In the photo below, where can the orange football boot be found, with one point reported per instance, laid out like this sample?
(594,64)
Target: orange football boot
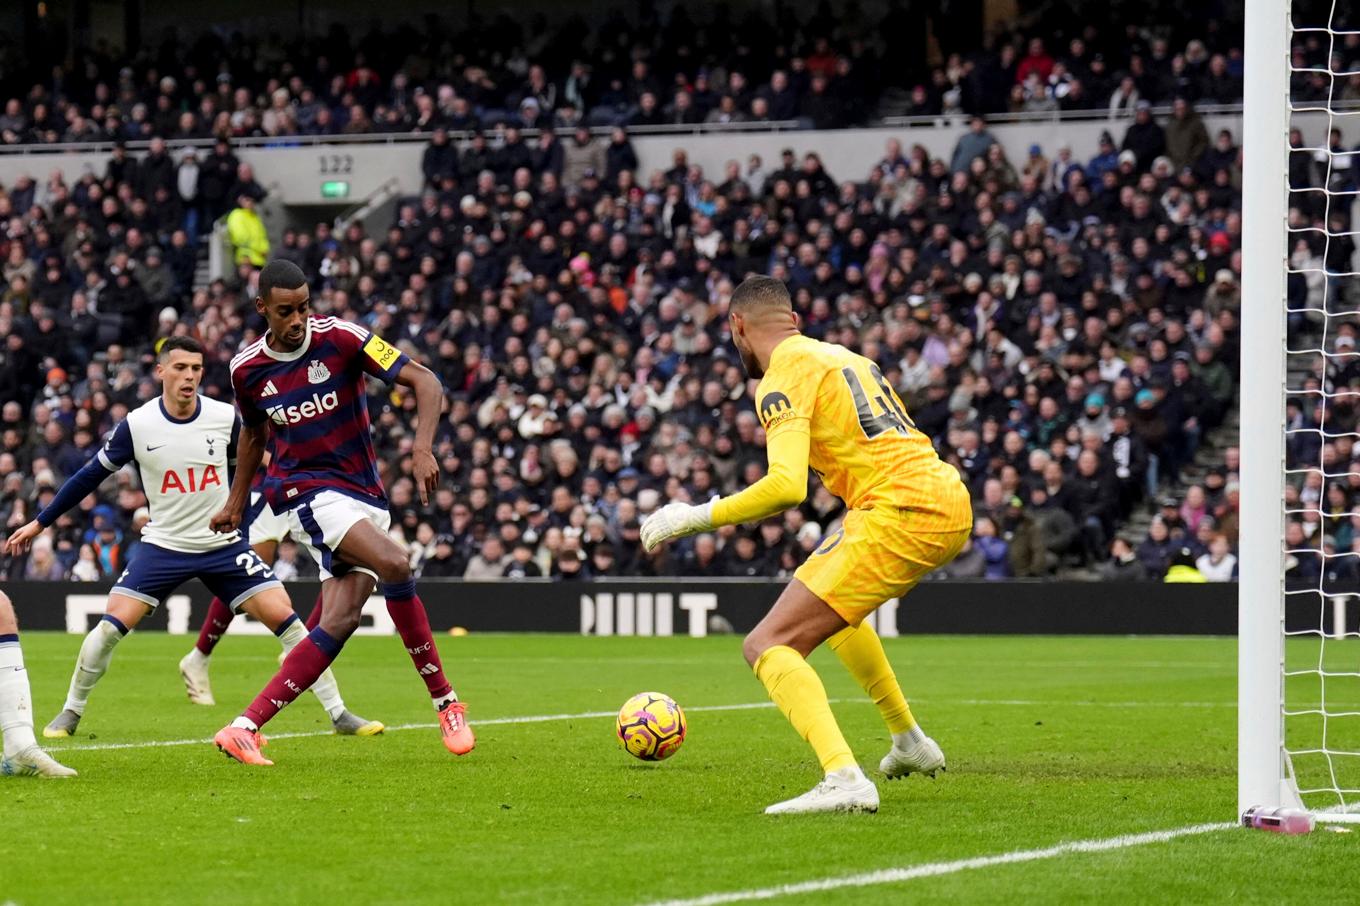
(242,745)
(453,725)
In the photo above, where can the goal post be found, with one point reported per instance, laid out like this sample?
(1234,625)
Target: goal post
(1261,776)
(1299,542)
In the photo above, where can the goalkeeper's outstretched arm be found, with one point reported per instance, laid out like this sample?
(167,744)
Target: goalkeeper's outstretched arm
(783,487)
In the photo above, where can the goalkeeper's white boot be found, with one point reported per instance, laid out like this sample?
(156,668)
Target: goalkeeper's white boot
(33,762)
(923,757)
(846,790)
(193,669)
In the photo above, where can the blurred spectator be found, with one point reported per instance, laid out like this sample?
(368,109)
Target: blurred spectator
(216,177)
(1094,498)
(1303,558)
(521,565)
(1157,549)
(971,145)
(488,563)
(1106,159)
(1182,568)
(1035,63)
(290,563)
(582,154)
(1029,558)
(1124,564)
(1129,456)
(42,562)
(971,563)
(85,569)
(1219,564)
(603,562)
(1126,97)
(187,177)
(1194,509)
(745,558)
(992,547)
(569,565)
(440,160)
(1187,139)
(702,561)
(445,563)
(1144,138)
(1036,166)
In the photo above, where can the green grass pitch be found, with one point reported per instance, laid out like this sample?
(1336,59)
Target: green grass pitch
(1049,740)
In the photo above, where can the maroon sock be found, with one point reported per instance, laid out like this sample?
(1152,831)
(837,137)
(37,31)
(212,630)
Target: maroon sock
(308,660)
(214,625)
(314,618)
(408,613)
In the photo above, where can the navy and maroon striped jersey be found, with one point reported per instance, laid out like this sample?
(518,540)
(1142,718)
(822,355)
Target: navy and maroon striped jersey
(316,402)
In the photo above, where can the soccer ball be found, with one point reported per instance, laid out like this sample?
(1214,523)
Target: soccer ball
(651,726)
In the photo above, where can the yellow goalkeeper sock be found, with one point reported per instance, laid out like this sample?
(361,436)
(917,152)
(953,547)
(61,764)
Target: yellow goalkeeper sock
(861,651)
(798,691)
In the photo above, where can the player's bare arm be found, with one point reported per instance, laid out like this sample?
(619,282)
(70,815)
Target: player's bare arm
(20,540)
(429,402)
(249,454)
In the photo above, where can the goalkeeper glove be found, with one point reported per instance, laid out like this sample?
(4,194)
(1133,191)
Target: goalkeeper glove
(676,520)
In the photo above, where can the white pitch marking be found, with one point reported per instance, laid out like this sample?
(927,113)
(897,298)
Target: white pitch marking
(1031,703)
(491,721)
(588,715)
(935,869)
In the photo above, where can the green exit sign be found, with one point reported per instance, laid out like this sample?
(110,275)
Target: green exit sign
(335,188)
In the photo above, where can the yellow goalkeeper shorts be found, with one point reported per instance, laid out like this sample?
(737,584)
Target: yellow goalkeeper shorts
(874,556)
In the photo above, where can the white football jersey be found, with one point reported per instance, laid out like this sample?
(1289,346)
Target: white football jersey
(185,468)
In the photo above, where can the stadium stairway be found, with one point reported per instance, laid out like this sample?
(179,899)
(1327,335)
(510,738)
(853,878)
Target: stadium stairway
(202,270)
(1210,455)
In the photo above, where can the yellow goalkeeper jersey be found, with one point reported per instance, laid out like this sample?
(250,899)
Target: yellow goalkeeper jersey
(862,443)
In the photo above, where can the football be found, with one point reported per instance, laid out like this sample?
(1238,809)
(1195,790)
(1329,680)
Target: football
(651,726)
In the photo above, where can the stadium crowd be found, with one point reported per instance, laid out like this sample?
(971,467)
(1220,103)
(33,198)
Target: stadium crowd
(813,66)
(1065,328)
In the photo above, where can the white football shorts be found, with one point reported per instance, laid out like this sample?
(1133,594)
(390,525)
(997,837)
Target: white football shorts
(266,525)
(320,525)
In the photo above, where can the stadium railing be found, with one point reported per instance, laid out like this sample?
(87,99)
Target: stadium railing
(311,172)
(951,120)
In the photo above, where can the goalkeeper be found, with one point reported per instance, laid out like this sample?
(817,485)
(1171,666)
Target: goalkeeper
(909,513)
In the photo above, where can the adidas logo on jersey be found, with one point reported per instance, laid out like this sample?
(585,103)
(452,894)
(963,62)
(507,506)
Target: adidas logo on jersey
(269,389)
(291,415)
(317,372)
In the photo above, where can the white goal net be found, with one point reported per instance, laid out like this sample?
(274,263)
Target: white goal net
(1300,646)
